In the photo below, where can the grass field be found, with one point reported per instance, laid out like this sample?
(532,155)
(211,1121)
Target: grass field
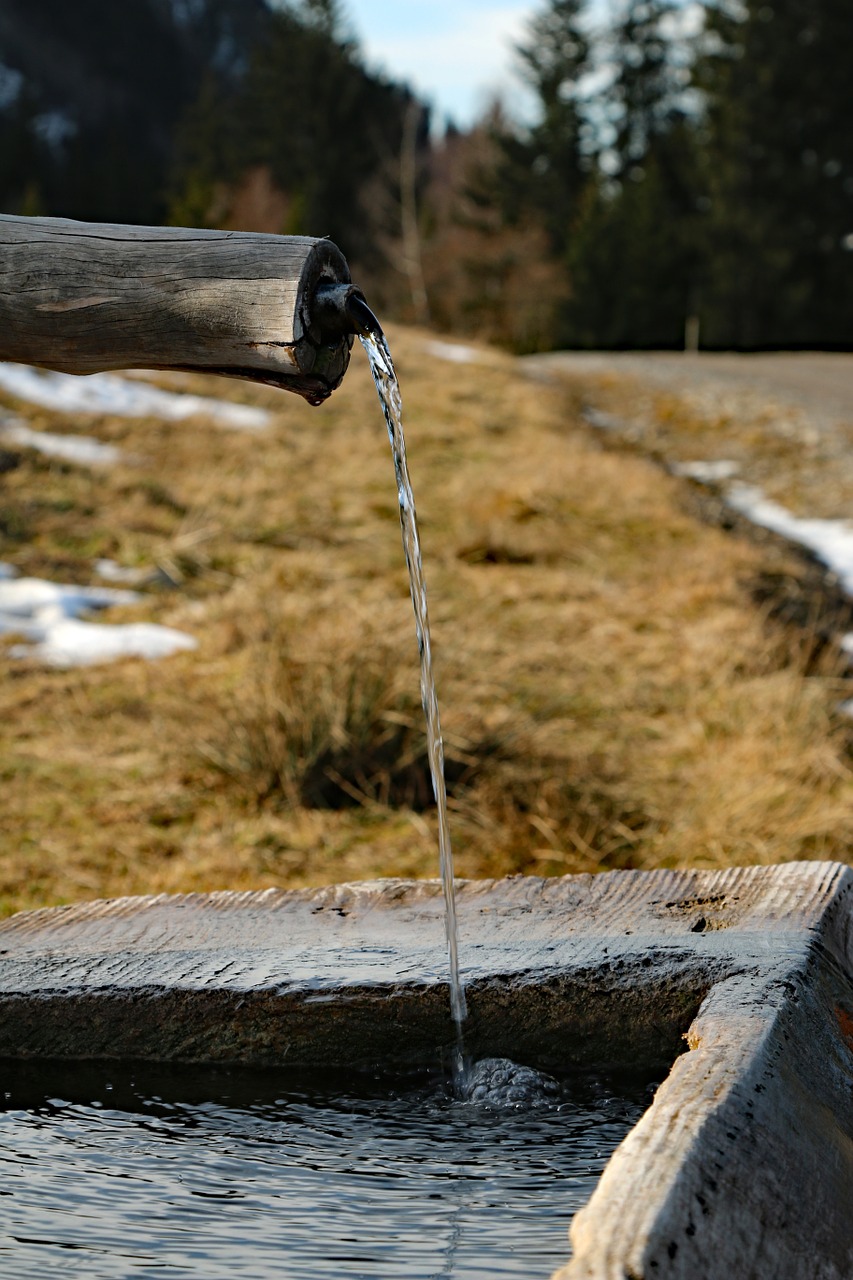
(616,688)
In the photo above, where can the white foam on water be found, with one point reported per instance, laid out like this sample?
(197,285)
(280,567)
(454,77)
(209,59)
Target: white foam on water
(85,450)
(48,616)
(107,393)
(501,1084)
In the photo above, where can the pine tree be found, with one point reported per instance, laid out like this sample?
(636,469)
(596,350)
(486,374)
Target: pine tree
(545,168)
(777,81)
(321,122)
(644,94)
(634,256)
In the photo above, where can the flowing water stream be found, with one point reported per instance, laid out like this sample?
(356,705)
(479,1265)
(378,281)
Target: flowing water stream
(382,368)
(494,1081)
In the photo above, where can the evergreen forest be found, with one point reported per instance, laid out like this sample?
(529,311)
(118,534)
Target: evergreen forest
(683,171)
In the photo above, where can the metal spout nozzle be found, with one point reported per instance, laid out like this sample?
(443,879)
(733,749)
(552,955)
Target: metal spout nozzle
(340,309)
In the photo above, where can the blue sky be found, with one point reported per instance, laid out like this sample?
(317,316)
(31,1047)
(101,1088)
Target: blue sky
(456,53)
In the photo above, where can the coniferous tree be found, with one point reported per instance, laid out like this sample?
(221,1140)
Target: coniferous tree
(634,257)
(545,168)
(309,117)
(777,84)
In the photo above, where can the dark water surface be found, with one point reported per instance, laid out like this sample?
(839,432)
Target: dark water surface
(110,1173)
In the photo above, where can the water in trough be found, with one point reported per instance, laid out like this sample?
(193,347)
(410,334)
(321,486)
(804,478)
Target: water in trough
(109,1172)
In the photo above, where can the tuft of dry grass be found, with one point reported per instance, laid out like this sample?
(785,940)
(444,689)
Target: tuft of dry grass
(615,691)
(327,732)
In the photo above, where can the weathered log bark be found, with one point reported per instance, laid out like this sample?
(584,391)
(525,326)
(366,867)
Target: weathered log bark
(83,297)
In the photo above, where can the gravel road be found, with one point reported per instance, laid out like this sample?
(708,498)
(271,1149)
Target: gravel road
(785,419)
(818,382)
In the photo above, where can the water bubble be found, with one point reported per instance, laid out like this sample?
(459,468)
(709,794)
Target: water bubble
(502,1084)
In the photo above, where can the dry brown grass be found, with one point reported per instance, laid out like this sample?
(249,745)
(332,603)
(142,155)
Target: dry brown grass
(800,458)
(611,694)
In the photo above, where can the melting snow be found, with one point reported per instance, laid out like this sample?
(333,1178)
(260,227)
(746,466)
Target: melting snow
(110,571)
(47,614)
(830,540)
(83,449)
(453,351)
(108,393)
(707,472)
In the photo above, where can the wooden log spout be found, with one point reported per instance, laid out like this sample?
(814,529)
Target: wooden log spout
(85,297)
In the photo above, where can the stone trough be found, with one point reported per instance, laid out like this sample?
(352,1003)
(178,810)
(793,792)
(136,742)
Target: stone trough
(737,983)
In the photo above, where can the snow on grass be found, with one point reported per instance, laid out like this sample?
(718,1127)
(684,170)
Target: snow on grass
(111,571)
(108,393)
(71,642)
(830,540)
(714,472)
(455,352)
(25,598)
(85,450)
(47,615)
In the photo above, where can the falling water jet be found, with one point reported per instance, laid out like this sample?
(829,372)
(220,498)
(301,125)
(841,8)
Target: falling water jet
(495,1082)
(382,368)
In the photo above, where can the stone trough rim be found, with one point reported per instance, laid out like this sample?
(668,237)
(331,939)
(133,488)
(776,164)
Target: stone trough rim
(696,1188)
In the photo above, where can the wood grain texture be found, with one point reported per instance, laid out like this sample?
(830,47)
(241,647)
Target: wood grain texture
(741,1169)
(84,297)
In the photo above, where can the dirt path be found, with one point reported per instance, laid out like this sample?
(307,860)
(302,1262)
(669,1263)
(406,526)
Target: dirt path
(818,382)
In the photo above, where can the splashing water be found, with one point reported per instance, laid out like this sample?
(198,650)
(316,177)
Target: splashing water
(382,368)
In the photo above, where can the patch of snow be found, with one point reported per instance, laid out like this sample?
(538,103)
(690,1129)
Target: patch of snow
(86,450)
(709,472)
(846,708)
(830,540)
(110,571)
(73,643)
(23,598)
(47,614)
(108,393)
(455,352)
(602,421)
